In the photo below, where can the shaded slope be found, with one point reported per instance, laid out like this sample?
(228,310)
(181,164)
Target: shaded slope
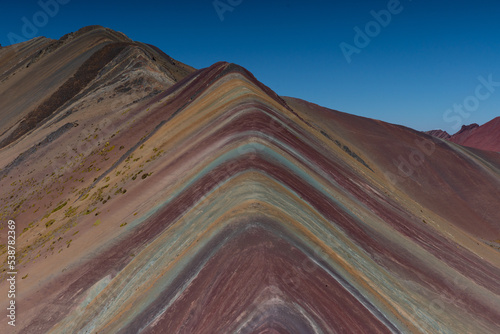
(424,169)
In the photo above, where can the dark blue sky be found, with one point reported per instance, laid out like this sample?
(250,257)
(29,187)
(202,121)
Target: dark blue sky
(411,70)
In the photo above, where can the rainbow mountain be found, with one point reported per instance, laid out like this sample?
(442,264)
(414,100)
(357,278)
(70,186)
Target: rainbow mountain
(152,197)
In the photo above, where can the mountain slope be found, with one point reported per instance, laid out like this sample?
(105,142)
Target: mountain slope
(45,74)
(484,137)
(205,203)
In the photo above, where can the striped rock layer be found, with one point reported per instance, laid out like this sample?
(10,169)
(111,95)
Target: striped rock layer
(156,198)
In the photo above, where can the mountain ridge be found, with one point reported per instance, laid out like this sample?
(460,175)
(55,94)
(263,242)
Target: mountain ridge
(484,137)
(97,39)
(202,201)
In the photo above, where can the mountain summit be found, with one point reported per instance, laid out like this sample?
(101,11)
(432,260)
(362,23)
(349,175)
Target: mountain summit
(152,197)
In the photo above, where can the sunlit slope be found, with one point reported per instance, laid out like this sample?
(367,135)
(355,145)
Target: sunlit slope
(40,76)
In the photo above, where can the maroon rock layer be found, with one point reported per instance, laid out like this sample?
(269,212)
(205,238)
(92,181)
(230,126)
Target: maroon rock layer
(155,198)
(485,137)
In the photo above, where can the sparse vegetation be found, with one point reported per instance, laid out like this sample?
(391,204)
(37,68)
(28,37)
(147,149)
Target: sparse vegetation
(85,74)
(70,212)
(59,207)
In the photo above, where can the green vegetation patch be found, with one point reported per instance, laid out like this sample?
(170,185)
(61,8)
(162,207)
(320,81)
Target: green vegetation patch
(59,207)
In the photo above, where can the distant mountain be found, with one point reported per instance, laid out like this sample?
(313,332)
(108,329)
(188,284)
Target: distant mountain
(438,134)
(152,197)
(485,137)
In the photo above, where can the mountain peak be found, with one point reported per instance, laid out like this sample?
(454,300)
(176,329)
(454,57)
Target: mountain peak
(465,128)
(71,64)
(438,134)
(151,197)
(484,137)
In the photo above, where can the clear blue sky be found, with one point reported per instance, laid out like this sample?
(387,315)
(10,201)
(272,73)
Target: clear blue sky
(425,60)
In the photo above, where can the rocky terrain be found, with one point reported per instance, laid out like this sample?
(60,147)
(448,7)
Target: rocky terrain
(151,197)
